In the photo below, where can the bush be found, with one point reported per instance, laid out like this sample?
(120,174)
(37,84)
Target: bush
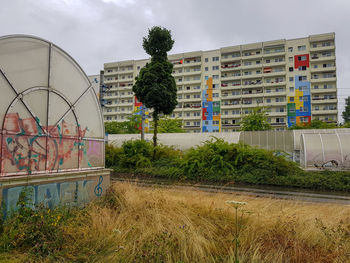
(37,231)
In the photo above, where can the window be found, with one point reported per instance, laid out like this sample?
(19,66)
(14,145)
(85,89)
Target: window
(267,61)
(206,68)
(188,114)
(290,49)
(291,78)
(215,76)
(290,69)
(257,62)
(302,68)
(268,90)
(215,58)
(215,86)
(268,100)
(301,58)
(215,95)
(314,45)
(316,87)
(279,120)
(290,59)
(301,48)
(179,97)
(291,89)
(216,113)
(301,78)
(215,67)
(206,59)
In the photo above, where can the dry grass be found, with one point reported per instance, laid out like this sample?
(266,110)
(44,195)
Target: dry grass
(162,225)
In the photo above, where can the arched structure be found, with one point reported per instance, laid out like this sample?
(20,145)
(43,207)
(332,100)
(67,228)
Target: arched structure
(325,150)
(50,116)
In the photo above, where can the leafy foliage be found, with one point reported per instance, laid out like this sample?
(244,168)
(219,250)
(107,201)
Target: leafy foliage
(314,124)
(346,112)
(167,125)
(219,161)
(255,121)
(155,87)
(130,126)
(36,231)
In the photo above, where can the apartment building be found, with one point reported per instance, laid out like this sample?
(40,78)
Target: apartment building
(295,80)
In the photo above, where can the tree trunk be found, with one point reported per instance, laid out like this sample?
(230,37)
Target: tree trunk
(155,129)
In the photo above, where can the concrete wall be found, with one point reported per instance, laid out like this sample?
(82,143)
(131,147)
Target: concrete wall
(51,190)
(181,141)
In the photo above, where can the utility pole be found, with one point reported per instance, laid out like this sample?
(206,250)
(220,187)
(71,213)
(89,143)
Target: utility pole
(142,123)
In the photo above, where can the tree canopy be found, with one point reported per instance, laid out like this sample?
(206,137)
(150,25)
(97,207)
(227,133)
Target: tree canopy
(155,87)
(346,112)
(126,127)
(314,124)
(167,125)
(255,121)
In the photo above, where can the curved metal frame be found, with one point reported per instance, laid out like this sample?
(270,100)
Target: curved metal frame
(19,96)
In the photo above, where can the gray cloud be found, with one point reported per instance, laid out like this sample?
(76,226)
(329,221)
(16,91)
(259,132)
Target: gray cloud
(99,31)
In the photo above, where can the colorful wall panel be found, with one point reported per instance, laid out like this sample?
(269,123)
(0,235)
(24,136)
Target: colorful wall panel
(299,105)
(211,117)
(138,111)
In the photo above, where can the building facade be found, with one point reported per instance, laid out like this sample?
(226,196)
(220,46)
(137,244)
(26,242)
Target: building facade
(294,80)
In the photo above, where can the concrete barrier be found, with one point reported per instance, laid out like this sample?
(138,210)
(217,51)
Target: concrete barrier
(51,190)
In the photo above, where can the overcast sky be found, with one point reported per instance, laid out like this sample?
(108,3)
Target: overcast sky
(99,31)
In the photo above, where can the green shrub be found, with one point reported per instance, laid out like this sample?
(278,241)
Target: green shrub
(37,231)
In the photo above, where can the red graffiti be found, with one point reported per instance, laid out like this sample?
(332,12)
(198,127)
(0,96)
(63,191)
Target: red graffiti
(28,147)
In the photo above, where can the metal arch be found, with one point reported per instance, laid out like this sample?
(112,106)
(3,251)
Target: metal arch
(323,157)
(341,148)
(66,54)
(19,96)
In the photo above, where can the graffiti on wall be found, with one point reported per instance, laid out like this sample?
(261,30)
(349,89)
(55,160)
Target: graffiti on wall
(27,147)
(53,194)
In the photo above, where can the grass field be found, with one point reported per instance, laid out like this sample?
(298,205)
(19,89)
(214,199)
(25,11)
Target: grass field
(163,225)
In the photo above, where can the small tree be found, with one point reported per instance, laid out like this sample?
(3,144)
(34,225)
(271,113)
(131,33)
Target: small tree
(155,87)
(255,121)
(167,125)
(346,112)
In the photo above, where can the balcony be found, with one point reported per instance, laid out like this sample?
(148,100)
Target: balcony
(250,105)
(189,82)
(251,76)
(225,86)
(322,48)
(107,74)
(322,79)
(232,66)
(275,83)
(324,100)
(191,126)
(230,116)
(190,99)
(230,106)
(252,95)
(275,94)
(230,97)
(322,58)
(230,59)
(274,63)
(228,78)
(324,112)
(192,117)
(274,54)
(322,69)
(274,73)
(251,66)
(252,57)
(191,73)
(276,114)
(329,90)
